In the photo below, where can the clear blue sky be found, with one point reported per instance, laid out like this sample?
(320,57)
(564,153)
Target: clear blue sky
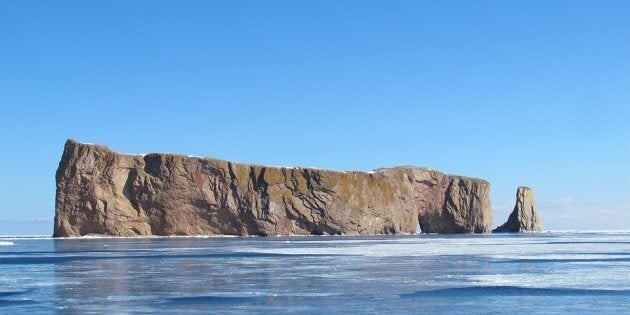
(530,93)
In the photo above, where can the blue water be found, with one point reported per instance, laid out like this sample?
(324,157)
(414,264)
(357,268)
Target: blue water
(551,273)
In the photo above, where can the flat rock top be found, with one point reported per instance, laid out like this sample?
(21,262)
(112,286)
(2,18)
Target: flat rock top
(184,156)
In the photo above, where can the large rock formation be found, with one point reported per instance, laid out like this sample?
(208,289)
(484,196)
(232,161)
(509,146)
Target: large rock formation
(103,192)
(524,217)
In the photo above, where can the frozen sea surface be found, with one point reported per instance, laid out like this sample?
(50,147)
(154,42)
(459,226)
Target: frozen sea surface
(551,273)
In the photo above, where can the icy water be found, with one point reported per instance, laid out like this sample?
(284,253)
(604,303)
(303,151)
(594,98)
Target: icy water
(551,273)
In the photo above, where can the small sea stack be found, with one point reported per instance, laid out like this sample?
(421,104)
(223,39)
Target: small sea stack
(524,217)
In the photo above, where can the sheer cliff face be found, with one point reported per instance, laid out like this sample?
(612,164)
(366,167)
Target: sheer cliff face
(103,192)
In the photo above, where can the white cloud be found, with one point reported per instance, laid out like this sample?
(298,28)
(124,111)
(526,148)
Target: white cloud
(562,203)
(572,214)
(35,226)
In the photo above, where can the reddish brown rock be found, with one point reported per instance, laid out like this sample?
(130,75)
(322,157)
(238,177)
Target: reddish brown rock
(103,192)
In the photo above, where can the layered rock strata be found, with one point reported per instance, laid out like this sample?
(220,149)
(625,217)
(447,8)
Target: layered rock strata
(103,192)
(524,217)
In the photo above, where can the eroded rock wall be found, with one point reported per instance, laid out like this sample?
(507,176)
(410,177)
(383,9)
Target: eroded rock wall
(100,191)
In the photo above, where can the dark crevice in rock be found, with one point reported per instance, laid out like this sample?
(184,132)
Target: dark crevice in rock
(128,188)
(260,186)
(153,164)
